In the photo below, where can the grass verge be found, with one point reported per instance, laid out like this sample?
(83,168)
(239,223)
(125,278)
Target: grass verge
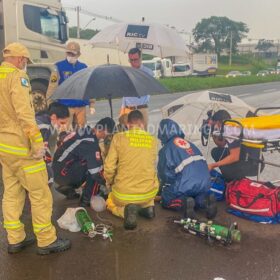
(198,83)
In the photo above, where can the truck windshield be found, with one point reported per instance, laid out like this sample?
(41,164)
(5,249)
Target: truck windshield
(150,65)
(153,65)
(50,26)
(158,65)
(44,21)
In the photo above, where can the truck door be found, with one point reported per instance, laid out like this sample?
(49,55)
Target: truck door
(167,68)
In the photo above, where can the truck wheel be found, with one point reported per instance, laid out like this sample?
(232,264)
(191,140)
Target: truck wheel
(39,91)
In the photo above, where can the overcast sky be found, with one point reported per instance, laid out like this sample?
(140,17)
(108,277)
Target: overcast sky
(261,16)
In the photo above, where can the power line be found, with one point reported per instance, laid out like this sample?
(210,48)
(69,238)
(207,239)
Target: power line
(84,12)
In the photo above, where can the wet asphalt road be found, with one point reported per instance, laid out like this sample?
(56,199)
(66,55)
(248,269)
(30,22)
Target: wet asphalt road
(157,249)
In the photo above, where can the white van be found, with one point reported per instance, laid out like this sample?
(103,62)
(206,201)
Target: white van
(278,67)
(181,70)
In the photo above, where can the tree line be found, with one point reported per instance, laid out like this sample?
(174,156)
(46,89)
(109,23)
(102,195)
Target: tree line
(214,34)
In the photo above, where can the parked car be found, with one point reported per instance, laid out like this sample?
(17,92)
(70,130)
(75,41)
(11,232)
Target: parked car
(262,73)
(246,73)
(181,70)
(233,74)
(271,70)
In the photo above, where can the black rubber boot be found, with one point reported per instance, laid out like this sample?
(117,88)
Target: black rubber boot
(59,245)
(84,201)
(72,195)
(188,208)
(211,206)
(16,248)
(130,216)
(68,191)
(148,212)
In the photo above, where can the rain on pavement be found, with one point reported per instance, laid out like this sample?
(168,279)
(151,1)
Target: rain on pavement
(157,249)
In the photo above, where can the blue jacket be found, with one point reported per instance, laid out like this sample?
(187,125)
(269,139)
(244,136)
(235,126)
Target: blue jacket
(65,70)
(44,123)
(181,168)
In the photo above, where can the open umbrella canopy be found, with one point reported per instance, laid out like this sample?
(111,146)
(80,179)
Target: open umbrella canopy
(190,110)
(108,81)
(153,38)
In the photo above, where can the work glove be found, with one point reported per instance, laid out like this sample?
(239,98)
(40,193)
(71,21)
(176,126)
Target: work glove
(39,153)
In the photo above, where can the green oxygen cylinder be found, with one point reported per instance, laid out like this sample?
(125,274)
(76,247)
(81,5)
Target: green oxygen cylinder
(85,222)
(218,230)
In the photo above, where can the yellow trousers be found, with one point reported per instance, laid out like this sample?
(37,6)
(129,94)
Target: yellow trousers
(117,207)
(21,176)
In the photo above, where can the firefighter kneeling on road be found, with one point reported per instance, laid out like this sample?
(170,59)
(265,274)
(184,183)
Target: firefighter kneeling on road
(21,156)
(130,171)
(183,173)
(78,161)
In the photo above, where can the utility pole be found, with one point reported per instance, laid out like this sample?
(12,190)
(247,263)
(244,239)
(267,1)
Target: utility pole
(230,48)
(78,9)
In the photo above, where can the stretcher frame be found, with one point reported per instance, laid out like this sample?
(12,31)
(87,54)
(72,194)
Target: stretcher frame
(265,145)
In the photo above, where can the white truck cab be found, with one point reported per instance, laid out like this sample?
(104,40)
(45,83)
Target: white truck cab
(154,65)
(160,67)
(42,27)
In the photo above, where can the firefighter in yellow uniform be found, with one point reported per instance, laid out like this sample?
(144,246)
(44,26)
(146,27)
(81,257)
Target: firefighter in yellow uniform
(21,157)
(130,171)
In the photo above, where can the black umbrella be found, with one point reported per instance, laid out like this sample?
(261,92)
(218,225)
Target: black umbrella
(108,81)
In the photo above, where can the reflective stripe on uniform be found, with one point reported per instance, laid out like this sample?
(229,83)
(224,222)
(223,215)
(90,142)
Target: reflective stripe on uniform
(13,150)
(135,197)
(39,227)
(187,161)
(6,69)
(72,147)
(38,138)
(35,168)
(95,170)
(13,224)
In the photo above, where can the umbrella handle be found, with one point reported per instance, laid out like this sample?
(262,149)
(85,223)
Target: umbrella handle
(111,107)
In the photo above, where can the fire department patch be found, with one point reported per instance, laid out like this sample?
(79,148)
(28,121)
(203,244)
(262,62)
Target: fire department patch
(53,78)
(181,143)
(97,155)
(24,82)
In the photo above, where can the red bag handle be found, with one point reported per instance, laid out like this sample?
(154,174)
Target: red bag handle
(260,195)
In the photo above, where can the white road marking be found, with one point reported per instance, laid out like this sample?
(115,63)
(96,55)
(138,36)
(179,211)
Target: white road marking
(245,94)
(270,90)
(155,111)
(275,112)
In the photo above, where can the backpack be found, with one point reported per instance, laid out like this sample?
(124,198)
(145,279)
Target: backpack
(256,201)
(217,185)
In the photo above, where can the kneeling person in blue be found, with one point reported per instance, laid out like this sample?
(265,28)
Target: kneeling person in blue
(183,173)
(77,161)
